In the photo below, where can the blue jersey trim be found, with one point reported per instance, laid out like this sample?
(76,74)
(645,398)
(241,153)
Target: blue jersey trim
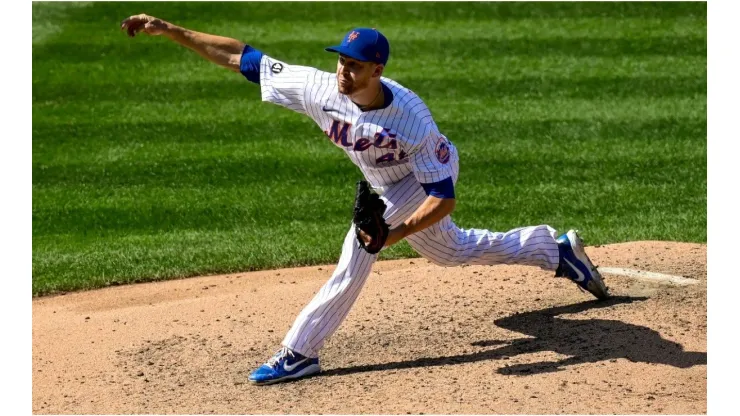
(442,189)
(387,95)
(250,64)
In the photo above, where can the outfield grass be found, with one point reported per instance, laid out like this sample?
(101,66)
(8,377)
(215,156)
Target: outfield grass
(151,163)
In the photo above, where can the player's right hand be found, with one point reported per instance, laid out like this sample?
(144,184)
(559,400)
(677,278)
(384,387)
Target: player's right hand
(143,23)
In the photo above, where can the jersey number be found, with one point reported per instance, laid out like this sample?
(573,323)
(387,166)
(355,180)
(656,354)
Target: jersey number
(389,157)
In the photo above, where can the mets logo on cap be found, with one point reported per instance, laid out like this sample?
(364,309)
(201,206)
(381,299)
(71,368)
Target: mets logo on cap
(352,36)
(442,150)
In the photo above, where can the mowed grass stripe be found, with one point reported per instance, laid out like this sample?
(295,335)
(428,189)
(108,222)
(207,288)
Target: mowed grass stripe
(484,28)
(183,253)
(146,143)
(110,142)
(397,14)
(155,191)
(525,87)
(141,196)
(489,201)
(192,68)
(223,212)
(147,215)
(297,50)
(467,109)
(47,19)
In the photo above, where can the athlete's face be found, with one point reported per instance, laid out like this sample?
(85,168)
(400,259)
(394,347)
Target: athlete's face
(354,76)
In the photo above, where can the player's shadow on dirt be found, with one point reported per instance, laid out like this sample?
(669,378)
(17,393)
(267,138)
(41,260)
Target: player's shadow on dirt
(582,340)
(589,340)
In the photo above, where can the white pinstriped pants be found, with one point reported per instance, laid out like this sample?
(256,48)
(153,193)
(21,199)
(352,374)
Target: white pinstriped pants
(443,243)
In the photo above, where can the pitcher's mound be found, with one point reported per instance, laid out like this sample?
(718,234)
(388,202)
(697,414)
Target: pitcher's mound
(420,339)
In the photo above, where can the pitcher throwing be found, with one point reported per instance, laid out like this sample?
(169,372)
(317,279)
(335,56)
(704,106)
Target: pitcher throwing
(389,133)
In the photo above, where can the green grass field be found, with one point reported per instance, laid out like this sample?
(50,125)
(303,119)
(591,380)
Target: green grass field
(151,163)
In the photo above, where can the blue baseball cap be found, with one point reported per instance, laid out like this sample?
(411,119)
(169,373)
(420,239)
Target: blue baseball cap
(364,44)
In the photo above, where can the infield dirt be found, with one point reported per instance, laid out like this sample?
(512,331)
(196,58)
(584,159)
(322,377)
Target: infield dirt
(420,339)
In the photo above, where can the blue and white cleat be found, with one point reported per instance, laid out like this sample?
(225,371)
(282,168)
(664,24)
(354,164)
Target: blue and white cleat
(575,265)
(283,366)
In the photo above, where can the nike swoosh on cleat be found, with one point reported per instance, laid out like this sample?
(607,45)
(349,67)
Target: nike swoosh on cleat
(290,368)
(581,276)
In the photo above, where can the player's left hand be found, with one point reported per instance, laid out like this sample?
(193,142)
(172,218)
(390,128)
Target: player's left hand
(394,235)
(366,238)
(370,227)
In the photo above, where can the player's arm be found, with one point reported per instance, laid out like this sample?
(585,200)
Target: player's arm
(440,203)
(220,50)
(281,84)
(430,160)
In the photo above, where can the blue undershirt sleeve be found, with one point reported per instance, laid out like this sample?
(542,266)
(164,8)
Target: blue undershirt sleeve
(250,64)
(442,189)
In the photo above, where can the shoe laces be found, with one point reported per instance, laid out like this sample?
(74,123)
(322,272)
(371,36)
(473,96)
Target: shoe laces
(282,353)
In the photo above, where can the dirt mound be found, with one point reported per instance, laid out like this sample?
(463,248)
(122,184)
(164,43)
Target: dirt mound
(420,339)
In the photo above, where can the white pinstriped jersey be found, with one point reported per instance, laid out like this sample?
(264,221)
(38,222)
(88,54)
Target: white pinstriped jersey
(386,144)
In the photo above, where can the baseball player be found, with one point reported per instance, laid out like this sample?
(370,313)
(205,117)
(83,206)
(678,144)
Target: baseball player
(389,133)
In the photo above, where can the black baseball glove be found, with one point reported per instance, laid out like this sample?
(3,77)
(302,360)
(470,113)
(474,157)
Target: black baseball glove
(368,217)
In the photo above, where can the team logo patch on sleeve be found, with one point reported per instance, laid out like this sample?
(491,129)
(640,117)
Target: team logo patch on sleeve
(442,151)
(276,68)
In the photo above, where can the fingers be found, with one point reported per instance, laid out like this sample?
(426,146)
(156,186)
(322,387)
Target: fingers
(134,24)
(366,238)
(134,29)
(131,25)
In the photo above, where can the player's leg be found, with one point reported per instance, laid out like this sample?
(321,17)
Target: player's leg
(323,315)
(446,244)
(320,318)
(326,311)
